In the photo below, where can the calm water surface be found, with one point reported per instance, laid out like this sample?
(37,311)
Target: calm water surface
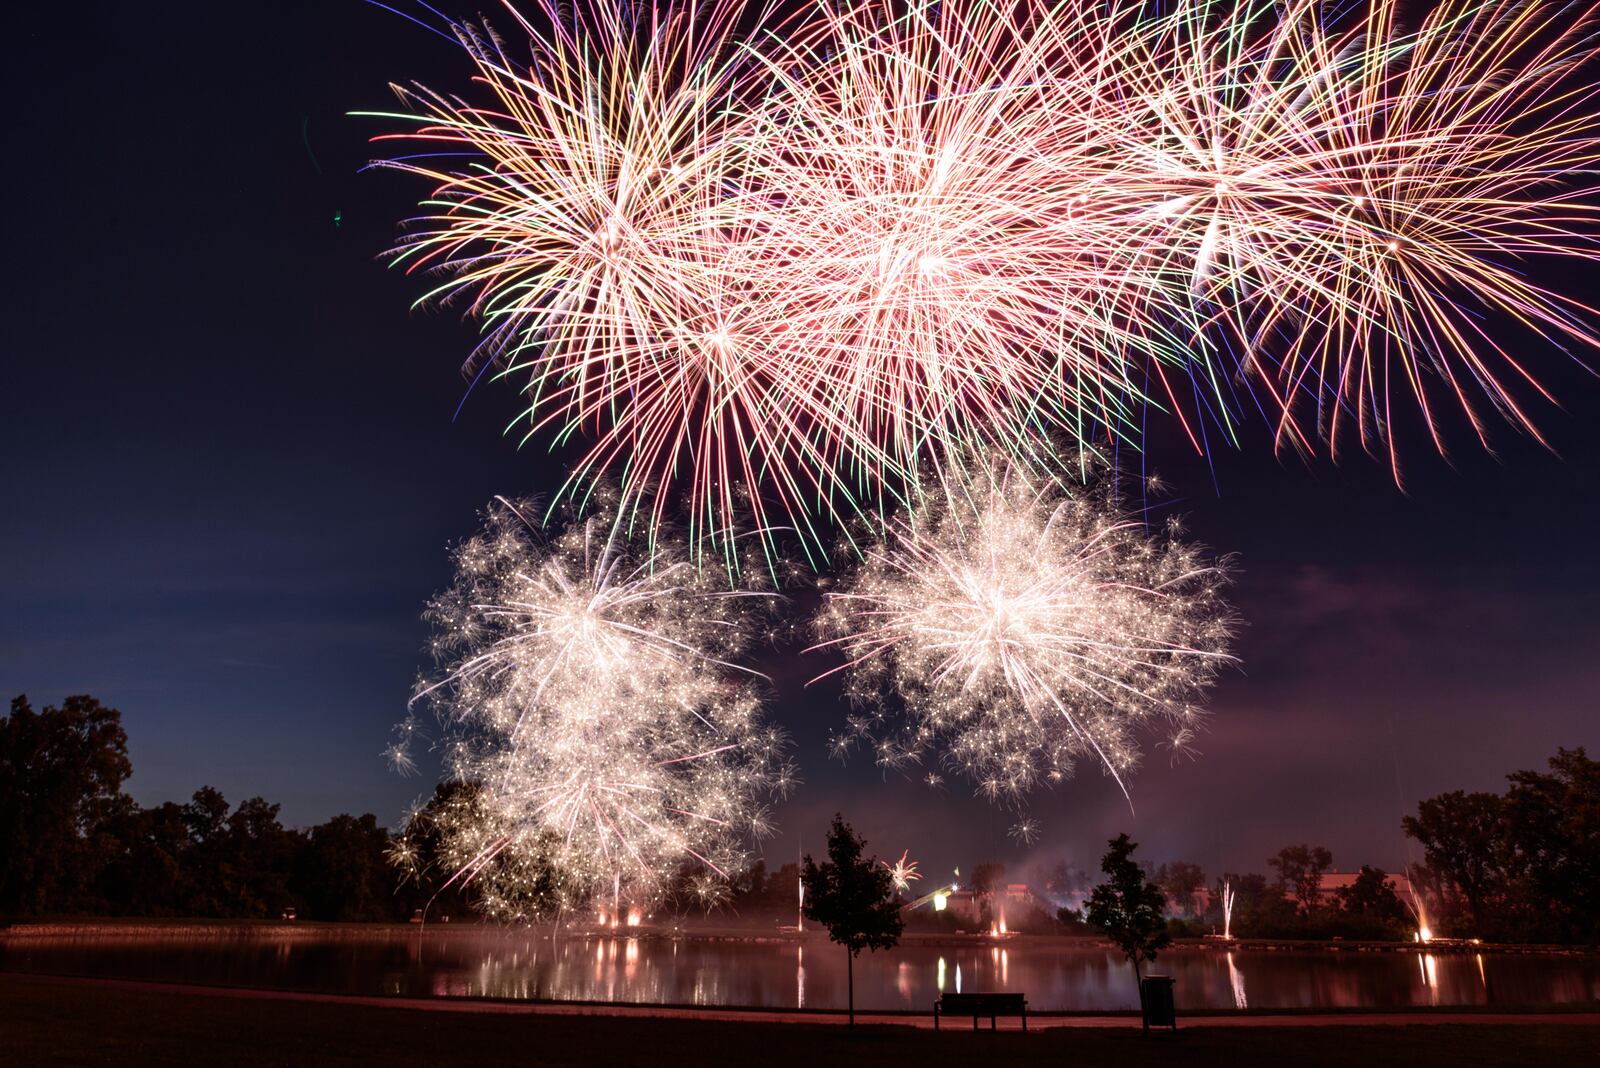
(1056,975)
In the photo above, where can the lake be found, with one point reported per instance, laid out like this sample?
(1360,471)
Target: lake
(1056,974)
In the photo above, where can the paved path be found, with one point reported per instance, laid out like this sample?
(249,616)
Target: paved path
(557,1008)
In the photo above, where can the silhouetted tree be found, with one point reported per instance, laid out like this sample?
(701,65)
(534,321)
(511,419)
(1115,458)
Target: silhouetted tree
(61,776)
(345,873)
(157,880)
(1259,908)
(1465,843)
(428,877)
(209,860)
(986,879)
(1371,899)
(747,891)
(1553,820)
(1061,878)
(852,896)
(1180,881)
(1128,907)
(1300,869)
(1523,865)
(261,860)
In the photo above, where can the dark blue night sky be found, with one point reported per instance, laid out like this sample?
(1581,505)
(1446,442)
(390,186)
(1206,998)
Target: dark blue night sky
(231,469)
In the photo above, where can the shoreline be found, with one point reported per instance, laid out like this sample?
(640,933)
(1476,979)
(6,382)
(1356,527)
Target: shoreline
(132,926)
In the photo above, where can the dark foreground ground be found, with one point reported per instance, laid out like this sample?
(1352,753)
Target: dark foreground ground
(50,1022)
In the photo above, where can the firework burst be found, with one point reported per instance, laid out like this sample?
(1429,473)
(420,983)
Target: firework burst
(903,872)
(1012,630)
(590,240)
(591,701)
(1344,209)
(909,227)
(770,269)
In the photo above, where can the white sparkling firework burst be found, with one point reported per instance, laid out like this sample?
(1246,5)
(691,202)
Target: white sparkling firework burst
(1020,629)
(591,697)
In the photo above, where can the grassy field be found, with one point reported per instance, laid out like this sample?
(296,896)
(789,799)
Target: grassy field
(50,1023)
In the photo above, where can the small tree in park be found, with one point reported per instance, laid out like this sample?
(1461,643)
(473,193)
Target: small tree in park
(1129,908)
(852,897)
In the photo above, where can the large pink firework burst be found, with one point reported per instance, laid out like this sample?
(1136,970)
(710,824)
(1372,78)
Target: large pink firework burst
(591,242)
(767,269)
(914,227)
(1351,207)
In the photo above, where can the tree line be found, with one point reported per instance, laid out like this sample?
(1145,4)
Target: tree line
(1522,865)
(1517,866)
(73,843)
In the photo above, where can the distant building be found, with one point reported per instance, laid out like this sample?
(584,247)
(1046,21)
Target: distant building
(970,907)
(965,904)
(1020,898)
(1335,881)
(1199,902)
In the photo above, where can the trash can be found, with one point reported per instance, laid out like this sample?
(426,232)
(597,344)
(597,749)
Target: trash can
(1155,1000)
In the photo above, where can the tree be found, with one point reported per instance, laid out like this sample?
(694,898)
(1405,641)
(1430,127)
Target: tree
(526,885)
(1523,865)
(987,878)
(345,872)
(1465,843)
(1061,878)
(61,776)
(1553,821)
(748,889)
(1259,909)
(262,856)
(1181,881)
(1372,897)
(208,861)
(1129,908)
(153,878)
(853,898)
(1300,870)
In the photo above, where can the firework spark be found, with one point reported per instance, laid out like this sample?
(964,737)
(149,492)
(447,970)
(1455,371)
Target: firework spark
(1348,206)
(908,227)
(771,269)
(902,871)
(589,239)
(1021,629)
(591,701)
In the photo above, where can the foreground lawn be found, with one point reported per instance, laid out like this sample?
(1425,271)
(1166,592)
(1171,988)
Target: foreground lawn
(57,1023)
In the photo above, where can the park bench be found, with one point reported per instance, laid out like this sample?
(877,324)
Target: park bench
(975,1005)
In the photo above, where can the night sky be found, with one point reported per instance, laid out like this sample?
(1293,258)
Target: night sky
(232,466)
